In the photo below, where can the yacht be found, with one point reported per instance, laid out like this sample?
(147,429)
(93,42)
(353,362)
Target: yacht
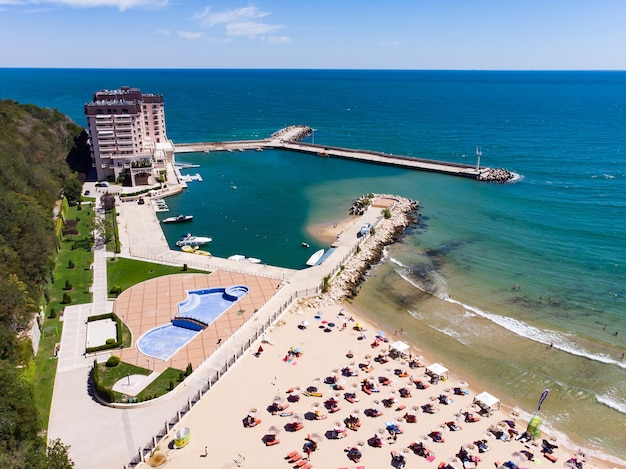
(191,240)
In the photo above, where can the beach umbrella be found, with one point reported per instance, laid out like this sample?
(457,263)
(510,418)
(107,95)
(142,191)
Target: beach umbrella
(380,334)
(324,321)
(316,437)
(274,430)
(305,323)
(297,418)
(331,324)
(463,384)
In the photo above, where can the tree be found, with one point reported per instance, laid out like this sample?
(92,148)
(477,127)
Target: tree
(58,455)
(108,202)
(72,188)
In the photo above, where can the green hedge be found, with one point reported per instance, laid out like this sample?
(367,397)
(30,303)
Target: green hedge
(118,327)
(104,392)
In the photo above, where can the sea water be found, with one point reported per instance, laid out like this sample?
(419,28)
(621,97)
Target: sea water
(522,285)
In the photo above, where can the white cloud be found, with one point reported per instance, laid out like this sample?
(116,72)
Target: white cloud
(390,43)
(242,21)
(210,19)
(190,35)
(119,4)
(278,39)
(250,28)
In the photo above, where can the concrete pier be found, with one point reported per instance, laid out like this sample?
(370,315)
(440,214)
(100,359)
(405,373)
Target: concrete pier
(289,139)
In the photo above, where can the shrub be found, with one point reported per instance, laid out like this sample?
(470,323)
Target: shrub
(53,313)
(110,341)
(171,386)
(387,214)
(67,299)
(189,369)
(185,268)
(113,361)
(115,290)
(70,264)
(68,285)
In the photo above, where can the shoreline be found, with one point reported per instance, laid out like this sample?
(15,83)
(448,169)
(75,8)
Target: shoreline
(336,300)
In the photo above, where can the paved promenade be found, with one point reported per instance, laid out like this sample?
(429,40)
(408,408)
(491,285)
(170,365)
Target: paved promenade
(102,436)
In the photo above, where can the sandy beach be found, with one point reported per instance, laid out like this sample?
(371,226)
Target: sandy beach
(347,354)
(316,359)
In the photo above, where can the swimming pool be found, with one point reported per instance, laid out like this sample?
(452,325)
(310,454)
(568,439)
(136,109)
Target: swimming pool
(195,313)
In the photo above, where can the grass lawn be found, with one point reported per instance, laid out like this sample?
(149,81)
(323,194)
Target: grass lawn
(77,249)
(163,384)
(125,273)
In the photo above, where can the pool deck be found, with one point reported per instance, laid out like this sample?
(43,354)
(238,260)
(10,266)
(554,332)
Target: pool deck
(155,303)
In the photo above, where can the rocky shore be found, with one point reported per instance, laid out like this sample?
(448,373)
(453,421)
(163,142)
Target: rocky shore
(496,175)
(293,133)
(346,283)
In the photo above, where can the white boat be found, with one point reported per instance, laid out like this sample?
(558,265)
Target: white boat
(241,258)
(191,240)
(315,258)
(178,219)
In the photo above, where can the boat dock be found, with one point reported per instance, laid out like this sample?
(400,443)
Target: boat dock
(289,139)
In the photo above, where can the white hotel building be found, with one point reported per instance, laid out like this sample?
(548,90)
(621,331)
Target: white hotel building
(127,135)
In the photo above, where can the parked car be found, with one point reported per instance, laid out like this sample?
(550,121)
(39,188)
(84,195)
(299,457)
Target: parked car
(102,184)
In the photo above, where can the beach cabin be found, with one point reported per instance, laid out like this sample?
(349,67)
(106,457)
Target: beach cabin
(399,349)
(437,372)
(487,402)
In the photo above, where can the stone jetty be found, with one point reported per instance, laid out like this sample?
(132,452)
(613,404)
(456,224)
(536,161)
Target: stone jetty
(348,280)
(290,138)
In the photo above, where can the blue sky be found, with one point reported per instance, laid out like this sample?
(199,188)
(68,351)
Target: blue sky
(345,34)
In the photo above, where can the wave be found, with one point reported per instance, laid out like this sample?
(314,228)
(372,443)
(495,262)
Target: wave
(516,177)
(612,403)
(432,283)
(425,279)
(551,338)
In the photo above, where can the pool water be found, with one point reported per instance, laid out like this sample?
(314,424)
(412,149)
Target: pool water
(195,313)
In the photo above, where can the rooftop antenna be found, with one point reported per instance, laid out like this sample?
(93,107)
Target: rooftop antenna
(479,153)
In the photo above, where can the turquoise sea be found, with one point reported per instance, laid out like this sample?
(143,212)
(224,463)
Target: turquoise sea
(493,274)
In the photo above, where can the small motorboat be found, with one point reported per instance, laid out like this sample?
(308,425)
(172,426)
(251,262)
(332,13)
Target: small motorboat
(191,240)
(314,259)
(178,219)
(305,245)
(242,258)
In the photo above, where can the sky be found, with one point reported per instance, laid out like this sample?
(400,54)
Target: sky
(315,34)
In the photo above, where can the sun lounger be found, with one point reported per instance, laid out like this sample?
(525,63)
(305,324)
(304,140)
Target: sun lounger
(550,457)
(272,442)
(293,456)
(307,466)
(302,462)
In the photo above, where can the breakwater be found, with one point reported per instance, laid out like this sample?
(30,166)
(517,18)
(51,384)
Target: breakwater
(289,138)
